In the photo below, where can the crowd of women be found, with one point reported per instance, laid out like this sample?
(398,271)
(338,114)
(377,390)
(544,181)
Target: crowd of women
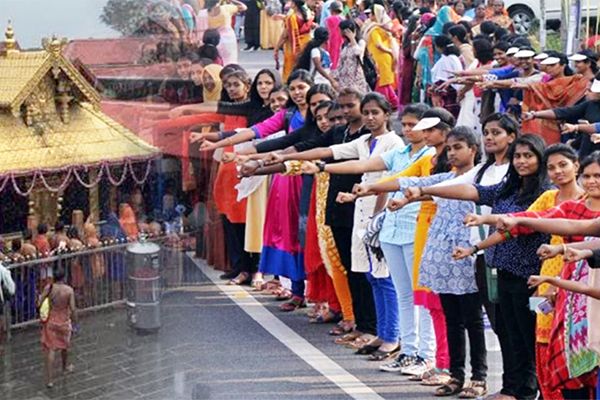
(406,244)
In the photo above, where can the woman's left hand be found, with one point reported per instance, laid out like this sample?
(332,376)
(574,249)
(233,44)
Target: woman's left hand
(309,168)
(208,146)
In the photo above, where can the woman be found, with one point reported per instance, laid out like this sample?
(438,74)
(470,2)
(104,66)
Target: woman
(350,73)
(500,16)
(298,24)
(56,331)
(128,222)
(454,280)
(315,59)
(397,237)
(336,36)
(211,83)
(562,165)
(252,25)
(586,64)
(570,363)
(459,36)
(447,66)
(436,123)
(219,17)
(406,64)
(376,111)
(281,253)
(514,260)
(381,47)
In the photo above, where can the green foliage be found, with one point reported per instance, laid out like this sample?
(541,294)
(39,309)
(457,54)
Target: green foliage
(125,16)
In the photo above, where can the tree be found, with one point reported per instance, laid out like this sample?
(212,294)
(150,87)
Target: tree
(125,16)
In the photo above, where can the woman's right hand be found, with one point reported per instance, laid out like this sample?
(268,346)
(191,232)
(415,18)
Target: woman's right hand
(228,157)
(528,116)
(461,252)
(568,128)
(536,280)
(574,255)
(198,137)
(547,251)
(473,220)
(344,197)
(413,193)
(273,158)
(361,189)
(249,168)
(396,204)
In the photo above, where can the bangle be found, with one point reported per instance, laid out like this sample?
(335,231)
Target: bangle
(507,235)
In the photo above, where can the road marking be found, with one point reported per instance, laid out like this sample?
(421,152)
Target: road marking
(296,343)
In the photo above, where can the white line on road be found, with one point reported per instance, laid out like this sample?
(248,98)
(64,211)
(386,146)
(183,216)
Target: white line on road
(296,343)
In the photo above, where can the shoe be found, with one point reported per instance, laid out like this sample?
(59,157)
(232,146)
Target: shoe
(418,368)
(403,361)
(247,48)
(229,275)
(242,279)
(295,303)
(256,48)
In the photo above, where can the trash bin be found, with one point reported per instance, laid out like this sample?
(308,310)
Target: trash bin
(143,286)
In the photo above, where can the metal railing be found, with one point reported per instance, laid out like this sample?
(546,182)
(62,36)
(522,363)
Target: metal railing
(98,276)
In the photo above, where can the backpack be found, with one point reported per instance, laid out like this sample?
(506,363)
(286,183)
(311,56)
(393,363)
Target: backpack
(369,69)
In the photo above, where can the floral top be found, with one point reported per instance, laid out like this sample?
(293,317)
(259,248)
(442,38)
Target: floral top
(517,256)
(439,271)
(349,72)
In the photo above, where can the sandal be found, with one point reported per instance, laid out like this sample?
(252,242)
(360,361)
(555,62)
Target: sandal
(284,294)
(474,390)
(316,310)
(379,355)
(367,349)
(342,328)
(257,282)
(241,279)
(294,304)
(360,341)
(454,386)
(438,379)
(348,337)
(327,317)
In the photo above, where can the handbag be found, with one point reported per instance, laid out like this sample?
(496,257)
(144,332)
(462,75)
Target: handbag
(45,307)
(491,273)
(369,69)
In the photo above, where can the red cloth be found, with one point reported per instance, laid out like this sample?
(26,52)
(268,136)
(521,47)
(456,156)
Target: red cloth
(561,92)
(541,363)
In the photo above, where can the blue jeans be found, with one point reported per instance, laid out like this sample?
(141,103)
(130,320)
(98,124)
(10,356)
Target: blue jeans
(386,308)
(418,339)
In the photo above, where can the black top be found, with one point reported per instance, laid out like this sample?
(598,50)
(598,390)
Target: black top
(587,110)
(300,135)
(253,111)
(336,214)
(594,261)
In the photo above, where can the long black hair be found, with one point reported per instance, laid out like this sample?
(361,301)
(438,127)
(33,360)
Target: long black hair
(254,96)
(349,24)
(530,187)
(592,158)
(483,50)
(300,5)
(320,36)
(507,123)
(460,32)
(445,44)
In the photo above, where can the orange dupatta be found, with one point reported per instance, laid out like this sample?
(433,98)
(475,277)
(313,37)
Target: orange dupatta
(561,92)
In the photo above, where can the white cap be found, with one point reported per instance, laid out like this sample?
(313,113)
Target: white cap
(525,54)
(541,56)
(578,57)
(595,87)
(511,51)
(426,123)
(550,61)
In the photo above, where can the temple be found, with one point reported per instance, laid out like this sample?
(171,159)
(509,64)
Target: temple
(53,135)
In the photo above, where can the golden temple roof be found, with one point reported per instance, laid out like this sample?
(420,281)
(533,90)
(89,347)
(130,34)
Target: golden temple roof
(89,138)
(50,116)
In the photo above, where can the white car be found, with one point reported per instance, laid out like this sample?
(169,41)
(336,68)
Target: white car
(523,12)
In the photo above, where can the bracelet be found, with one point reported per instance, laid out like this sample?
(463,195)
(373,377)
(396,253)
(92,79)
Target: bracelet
(507,235)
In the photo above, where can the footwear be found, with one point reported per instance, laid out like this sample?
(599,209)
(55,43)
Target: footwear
(473,390)
(403,361)
(419,367)
(316,310)
(284,294)
(342,328)
(294,304)
(360,341)
(348,337)
(247,48)
(500,396)
(327,318)
(367,349)
(439,378)
(380,355)
(229,275)
(241,279)
(454,386)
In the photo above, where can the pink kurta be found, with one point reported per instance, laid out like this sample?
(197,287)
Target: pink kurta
(332,23)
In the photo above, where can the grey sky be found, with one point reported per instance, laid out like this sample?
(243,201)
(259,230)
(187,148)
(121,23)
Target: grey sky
(35,19)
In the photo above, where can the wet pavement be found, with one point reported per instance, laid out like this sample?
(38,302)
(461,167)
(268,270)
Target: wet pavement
(207,348)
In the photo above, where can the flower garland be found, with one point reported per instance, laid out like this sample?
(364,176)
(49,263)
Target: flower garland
(103,168)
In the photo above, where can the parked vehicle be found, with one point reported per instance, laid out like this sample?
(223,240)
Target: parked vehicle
(523,12)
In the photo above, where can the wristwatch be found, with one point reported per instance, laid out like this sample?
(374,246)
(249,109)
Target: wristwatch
(475,249)
(321,165)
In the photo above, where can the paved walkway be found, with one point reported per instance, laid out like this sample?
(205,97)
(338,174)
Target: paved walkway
(212,345)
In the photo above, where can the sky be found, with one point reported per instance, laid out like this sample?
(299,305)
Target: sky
(34,19)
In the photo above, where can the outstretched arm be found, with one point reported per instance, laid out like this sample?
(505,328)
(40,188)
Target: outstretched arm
(456,192)
(356,166)
(561,226)
(565,284)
